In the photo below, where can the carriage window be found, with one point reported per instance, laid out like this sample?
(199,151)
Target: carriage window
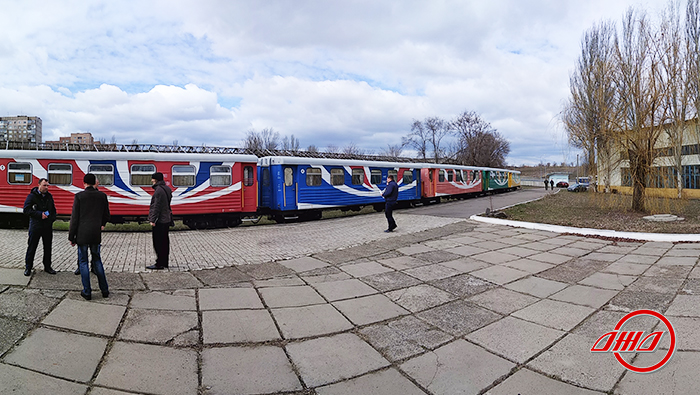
(376,176)
(313,176)
(19,173)
(337,177)
(183,176)
(288,176)
(219,176)
(458,175)
(407,177)
(141,174)
(60,174)
(430,175)
(358,175)
(394,173)
(248,176)
(450,176)
(266,176)
(103,172)
(441,176)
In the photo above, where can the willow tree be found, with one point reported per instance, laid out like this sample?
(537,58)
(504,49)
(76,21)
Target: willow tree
(590,113)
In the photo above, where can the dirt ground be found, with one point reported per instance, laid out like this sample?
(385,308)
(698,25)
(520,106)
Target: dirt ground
(608,211)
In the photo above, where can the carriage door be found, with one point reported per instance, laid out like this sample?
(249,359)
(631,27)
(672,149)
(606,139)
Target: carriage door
(290,187)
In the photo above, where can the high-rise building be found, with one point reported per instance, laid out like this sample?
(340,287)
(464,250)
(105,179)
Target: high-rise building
(20,128)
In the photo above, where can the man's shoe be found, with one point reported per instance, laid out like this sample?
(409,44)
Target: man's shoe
(105,294)
(49,270)
(388,231)
(85,296)
(77,271)
(155,267)
(27,272)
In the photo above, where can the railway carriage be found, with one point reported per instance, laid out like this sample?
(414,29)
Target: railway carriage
(513,180)
(439,180)
(208,189)
(496,180)
(299,187)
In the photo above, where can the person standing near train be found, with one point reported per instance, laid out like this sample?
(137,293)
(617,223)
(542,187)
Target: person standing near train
(391,194)
(87,221)
(40,208)
(160,216)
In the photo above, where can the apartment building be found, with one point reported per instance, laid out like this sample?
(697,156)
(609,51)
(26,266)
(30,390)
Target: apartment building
(20,128)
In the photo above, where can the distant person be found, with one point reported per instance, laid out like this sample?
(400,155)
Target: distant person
(551,184)
(160,216)
(40,208)
(546,184)
(87,221)
(391,194)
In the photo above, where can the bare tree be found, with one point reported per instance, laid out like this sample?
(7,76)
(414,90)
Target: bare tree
(417,139)
(312,148)
(427,135)
(352,149)
(113,140)
(265,139)
(332,149)
(478,143)
(393,151)
(290,143)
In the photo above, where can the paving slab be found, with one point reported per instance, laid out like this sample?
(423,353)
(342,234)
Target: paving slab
(634,300)
(285,281)
(345,289)
(403,262)
(55,353)
(502,300)
(390,281)
(656,284)
(464,285)
(177,300)
(238,326)
(266,270)
(303,264)
(229,299)
(13,277)
(443,370)
(608,281)
(330,359)
(678,376)
(638,259)
(604,321)
(221,276)
(11,331)
(671,271)
(21,381)
(415,249)
(685,306)
(151,369)
(585,296)
(432,272)
(467,250)
(106,391)
(459,318)
(161,327)
(26,304)
(536,286)
(385,382)
(60,280)
(495,257)
(529,266)
(554,314)
(678,260)
(365,269)
(404,337)
(632,269)
(570,251)
(94,318)
(247,370)
(526,381)
(519,251)
(121,281)
(164,280)
(369,309)
(420,297)
(310,321)
(499,274)
(290,296)
(465,265)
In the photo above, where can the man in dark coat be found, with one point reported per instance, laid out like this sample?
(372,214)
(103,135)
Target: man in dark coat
(160,216)
(90,214)
(546,184)
(551,184)
(391,194)
(40,208)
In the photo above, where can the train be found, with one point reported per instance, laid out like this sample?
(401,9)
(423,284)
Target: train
(221,189)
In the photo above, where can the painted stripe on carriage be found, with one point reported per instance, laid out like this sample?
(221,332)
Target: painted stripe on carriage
(178,200)
(10,209)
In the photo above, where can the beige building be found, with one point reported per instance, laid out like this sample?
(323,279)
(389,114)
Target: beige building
(75,138)
(20,128)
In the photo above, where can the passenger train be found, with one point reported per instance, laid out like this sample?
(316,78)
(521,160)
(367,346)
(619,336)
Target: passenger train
(221,189)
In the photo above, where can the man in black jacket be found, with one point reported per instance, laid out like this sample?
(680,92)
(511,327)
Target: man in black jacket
(391,194)
(90,214)
(40,208)
(161,218)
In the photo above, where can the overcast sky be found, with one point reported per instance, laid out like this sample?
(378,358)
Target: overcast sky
(328,72)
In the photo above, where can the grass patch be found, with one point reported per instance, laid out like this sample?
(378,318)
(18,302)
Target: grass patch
(608,211)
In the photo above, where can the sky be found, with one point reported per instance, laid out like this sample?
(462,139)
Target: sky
(329,72)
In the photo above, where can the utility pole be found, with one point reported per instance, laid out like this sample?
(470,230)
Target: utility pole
(576,167)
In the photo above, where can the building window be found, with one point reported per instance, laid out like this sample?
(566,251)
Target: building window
(376,177)
(103,172)
(141,174)
(441,176)
(407,177)
(60,173)
(337,177)
(19,173)
(313,177)
(248,176)
(288,176)
(358,176)
(219,176)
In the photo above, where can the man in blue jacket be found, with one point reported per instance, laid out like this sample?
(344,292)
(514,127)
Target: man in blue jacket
(90,214)
(40,208)
(391,194)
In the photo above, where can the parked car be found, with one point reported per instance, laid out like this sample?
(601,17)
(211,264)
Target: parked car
(562,184)
(577,188)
